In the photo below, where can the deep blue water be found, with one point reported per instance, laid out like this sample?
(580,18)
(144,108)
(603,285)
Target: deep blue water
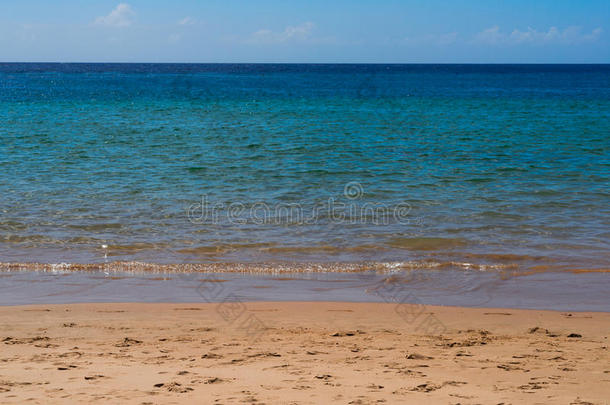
(503,165)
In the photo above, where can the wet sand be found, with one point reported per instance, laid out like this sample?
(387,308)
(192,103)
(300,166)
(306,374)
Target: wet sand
(300,352)
(558,291)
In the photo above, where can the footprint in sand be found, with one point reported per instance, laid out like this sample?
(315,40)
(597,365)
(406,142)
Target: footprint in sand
(265,354)
(174,387)
(511,367)
(301,387)
(427,387)
(211,356)
(94,377)
(347,333)
(127,342)
(314,352)
(416,356)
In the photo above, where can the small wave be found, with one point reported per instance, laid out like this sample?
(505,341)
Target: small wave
(96,227)
(25,239)
(133,248)
(204,250)
(212,250)
(506,257)
(576,271)
(426,243)
(502,215)
(303,249)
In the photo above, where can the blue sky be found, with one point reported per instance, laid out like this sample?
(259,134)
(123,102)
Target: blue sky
(382,31)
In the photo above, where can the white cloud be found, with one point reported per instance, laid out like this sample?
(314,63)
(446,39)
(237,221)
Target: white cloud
(186,21)
(594,35)
(489,36)
(568,36)
(121,16)
(291,33)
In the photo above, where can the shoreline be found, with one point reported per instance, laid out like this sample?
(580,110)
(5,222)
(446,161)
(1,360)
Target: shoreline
(301,352)
(565,291)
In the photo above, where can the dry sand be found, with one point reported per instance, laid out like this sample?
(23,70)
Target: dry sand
(309,353)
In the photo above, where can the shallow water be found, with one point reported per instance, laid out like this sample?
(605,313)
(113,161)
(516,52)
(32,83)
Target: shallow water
(497,165)
(562,291)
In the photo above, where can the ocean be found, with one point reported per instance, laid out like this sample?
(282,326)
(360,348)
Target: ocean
(494,168)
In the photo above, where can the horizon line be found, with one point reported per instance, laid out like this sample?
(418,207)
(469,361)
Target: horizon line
(310,63)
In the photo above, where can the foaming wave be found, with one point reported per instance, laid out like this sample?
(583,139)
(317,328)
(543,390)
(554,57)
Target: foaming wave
(263,268)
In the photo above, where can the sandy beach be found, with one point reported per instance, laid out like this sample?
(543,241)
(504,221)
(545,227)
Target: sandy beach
(301,353)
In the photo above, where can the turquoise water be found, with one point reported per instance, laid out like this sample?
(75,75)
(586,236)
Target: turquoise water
(464,165)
